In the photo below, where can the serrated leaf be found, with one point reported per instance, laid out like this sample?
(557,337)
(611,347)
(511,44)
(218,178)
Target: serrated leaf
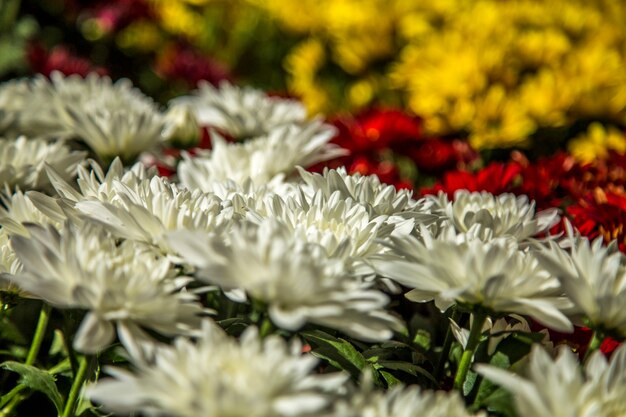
(340,351)
(36,379)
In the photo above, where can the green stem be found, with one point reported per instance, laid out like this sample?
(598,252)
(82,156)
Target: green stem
(594,343)
(447,344)
(40,332)
(77,384)
(11,399)
(470,348)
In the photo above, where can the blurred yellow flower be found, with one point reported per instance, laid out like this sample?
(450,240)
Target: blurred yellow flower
(596,143)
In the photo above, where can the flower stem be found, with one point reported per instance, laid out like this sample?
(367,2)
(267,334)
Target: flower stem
(77,384)
(40,332)
(447,344)
(470,348)
(594,343)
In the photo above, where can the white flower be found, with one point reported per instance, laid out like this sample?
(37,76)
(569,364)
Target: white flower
(330,222)
(12,104)
(264,159)
(217,377)
(119,284)
(501,215)
(242,112)
(20,208)
(557,388)
(298,280)
(153,207)
(9,264)
(94,184)
(401,401)
(22,162)
(378,198)
(181,126)
(593,276)
(113,119)
(496,275)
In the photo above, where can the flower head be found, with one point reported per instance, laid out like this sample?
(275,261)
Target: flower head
(242,113)
(593,277)
(218,376)
(118,284)
(306,286)
(22,162)
(502,215)
(264,159)
(401,401)
(556,388)
(113,119)
(495,275)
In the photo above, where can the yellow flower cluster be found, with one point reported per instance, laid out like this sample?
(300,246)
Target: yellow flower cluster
(496,70)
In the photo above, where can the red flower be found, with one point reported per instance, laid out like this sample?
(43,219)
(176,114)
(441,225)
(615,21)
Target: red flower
(496,178)
(182,63)
(601,213)
(59,59)
(432,156)
(376,130)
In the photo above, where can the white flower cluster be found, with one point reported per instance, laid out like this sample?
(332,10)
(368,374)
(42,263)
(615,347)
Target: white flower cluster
(135,251)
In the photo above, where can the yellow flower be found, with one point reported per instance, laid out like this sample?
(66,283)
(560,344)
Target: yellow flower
(597,142)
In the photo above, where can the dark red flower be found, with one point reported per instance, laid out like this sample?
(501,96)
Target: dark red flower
(432,156)
(601,213)
(183,63)
(59,59)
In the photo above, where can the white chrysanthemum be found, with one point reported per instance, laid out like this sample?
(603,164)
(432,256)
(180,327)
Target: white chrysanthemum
(181,126)
(557,388)
(118,284)
(113,119)
(12,104)
(593,276)
(22,162)
(331,221)
(297,279)
(9,264)
(501,215)
(218,377)
(20,208)
(242,112)
(403,401)
(153,207)
(378,198)
(496,275)
(264,159)
(94,184)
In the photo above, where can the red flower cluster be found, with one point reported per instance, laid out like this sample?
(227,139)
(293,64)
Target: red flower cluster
(389,144)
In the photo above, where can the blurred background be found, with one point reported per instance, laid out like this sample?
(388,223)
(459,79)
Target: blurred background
(524,96)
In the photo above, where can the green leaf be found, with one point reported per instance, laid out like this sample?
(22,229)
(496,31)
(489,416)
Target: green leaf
(390,379)
(36,379)
(342,354)
(500,401)
(409,368)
